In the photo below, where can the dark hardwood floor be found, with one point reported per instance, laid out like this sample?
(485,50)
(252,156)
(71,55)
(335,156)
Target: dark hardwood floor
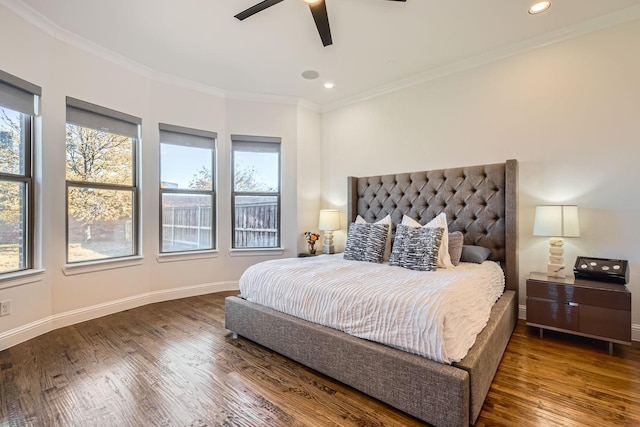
(174,364)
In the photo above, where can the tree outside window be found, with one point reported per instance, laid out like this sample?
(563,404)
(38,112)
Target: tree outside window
(19,102)
(101,186)
(14,185)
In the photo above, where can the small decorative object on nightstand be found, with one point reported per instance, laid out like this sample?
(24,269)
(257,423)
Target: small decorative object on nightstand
(312,239)
(556,222)
(581,307)
(329,222)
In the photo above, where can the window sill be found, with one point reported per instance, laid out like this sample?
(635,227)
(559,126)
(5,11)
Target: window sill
(20,278)
(256,252)
(93,266)
(186,256)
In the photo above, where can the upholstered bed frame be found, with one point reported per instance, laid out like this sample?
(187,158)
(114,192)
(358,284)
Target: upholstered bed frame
(480,201)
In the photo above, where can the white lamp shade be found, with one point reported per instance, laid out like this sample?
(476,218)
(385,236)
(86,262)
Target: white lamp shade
(556,221)
(329,220)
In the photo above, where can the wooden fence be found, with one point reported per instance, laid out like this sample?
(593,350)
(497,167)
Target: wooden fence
(189,227)
(256,224)
(186,228)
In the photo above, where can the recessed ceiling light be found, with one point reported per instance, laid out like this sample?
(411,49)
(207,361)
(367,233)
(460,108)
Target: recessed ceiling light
(539,7)
(312,1)
(310,74)
(329,85)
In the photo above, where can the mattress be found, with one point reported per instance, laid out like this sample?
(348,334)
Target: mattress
(433,314)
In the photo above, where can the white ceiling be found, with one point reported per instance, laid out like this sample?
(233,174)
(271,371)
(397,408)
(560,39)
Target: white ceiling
(376,43)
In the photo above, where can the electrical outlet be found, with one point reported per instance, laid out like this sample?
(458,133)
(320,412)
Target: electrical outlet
(5,308)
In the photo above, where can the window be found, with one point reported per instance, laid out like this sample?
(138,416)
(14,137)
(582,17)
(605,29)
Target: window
(187,198)
(18,107)
(256,192)
(102,191)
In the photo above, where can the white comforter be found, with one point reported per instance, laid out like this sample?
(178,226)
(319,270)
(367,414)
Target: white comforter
(434,314)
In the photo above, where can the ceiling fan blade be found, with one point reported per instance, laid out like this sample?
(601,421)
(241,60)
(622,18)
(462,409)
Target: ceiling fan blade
(256,8)
(319,12)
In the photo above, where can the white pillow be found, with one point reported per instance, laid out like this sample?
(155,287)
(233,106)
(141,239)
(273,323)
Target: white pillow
(444,259)
(387,246)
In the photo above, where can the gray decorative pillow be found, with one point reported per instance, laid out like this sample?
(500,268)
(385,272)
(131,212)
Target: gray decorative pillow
(475,254)
(366,242)
(456,240)
(416,248)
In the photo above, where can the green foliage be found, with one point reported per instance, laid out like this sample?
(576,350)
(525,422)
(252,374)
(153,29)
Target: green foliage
(246,179)
(202,180)
(10,162)
(95,156)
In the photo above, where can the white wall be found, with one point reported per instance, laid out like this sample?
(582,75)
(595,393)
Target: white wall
(54,298)
(569,112)
(309,173)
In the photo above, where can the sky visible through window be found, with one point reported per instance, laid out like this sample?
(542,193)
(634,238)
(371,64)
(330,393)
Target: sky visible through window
(179,165)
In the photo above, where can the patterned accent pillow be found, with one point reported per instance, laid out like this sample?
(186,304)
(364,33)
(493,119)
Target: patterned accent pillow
(444,259)
(366,242)
(416,248)
(385,220)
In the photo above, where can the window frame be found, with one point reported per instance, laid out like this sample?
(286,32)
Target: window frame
(256,140)
(22,96)
(113,117)
(203,136)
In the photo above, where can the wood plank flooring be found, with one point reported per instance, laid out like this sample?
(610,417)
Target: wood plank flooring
(174,364)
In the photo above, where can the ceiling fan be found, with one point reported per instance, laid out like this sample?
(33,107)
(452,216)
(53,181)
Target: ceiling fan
(318,10)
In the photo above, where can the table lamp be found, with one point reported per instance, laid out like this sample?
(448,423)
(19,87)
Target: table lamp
(556,222)
(329,222)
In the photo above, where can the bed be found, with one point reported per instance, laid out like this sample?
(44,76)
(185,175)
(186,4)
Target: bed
(481,202)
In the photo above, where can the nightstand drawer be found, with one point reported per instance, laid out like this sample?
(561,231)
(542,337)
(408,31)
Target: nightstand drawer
(550,291)
(592,309)
(603,298)
(552,313)
(605,322)
(579,294)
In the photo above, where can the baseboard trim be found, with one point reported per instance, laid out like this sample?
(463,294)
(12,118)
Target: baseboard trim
(31,330)
(635,329)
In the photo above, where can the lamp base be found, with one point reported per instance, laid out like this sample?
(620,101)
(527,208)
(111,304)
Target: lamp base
(555,268)
(328,247)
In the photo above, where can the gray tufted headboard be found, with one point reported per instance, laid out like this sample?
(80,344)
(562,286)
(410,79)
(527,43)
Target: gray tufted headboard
(480,201)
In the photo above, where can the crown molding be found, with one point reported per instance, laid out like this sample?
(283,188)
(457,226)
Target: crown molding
(304,103)
(45,24)
(606,21)
(261,97)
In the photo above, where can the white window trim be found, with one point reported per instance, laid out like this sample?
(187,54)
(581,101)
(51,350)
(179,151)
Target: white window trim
(239,252)
(21,278)
(187,256)
(101,265)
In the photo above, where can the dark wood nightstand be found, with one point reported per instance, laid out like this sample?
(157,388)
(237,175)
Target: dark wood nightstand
(582,307)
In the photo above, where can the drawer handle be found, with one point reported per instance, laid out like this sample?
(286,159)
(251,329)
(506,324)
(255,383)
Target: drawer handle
(572,304)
